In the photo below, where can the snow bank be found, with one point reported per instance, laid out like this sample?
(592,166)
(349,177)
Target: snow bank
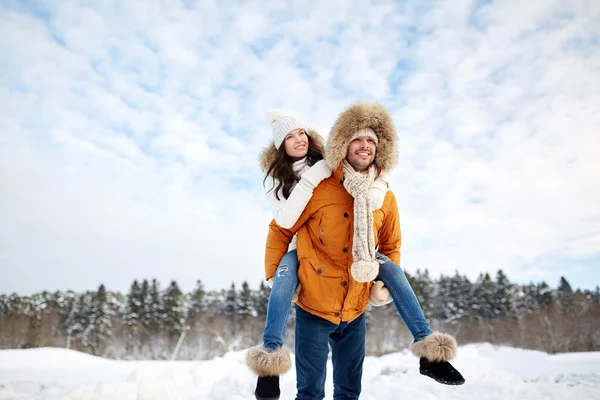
(492,373)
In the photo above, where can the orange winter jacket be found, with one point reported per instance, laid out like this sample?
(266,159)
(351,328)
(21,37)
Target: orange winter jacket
(325,230)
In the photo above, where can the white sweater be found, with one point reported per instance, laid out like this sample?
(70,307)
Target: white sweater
(287,211)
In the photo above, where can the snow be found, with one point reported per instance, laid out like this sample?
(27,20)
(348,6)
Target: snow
(491,373)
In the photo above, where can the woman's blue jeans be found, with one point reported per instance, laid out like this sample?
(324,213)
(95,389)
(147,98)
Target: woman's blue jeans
(286,281)
(280,300)
(404,297)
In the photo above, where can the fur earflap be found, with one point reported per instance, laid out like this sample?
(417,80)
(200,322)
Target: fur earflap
(359,116)
(268,154)
(435,347)
(265,363)
(380,295)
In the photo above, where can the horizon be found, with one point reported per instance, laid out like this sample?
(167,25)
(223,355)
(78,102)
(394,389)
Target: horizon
(163,285)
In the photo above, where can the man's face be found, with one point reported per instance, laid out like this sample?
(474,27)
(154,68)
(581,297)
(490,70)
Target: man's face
(361,153)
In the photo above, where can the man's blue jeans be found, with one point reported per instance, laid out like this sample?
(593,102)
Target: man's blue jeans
(280,299)
(347,341)
(404,297)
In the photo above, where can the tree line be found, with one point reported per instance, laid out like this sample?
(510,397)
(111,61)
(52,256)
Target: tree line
(155,322)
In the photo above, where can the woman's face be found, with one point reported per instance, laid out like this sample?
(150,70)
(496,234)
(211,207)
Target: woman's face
(296,143)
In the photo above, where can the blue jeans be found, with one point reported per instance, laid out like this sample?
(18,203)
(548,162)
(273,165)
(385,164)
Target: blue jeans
(280,299)
(347,341)
(404,297)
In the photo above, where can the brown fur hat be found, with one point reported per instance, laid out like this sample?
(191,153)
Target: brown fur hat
(359,116)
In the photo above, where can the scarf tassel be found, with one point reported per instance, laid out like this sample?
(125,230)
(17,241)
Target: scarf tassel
(365,271)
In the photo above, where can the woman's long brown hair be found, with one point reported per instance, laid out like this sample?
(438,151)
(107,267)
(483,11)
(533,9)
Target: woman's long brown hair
(281,168)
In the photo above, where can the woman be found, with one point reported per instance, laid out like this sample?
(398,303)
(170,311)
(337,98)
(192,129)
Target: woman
(294,166)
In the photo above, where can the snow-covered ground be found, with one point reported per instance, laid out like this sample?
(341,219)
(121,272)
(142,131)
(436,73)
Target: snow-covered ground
(491,373)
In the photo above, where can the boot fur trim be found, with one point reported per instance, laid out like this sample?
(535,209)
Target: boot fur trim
(264,363)
(435,347)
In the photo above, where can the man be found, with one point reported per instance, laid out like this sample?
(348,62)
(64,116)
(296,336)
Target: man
(338,235)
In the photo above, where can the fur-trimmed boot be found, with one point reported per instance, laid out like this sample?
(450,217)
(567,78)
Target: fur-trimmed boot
(268,364)
(435,351)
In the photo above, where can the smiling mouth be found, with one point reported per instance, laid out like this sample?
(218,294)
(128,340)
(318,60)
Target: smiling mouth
(299,147)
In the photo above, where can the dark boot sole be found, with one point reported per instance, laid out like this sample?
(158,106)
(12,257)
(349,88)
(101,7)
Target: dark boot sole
(266,398)
(440,380)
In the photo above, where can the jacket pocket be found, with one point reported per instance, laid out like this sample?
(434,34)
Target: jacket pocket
(320,286)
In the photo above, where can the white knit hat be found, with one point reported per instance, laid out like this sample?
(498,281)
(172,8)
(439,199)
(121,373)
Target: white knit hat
(368,132)
(282,125)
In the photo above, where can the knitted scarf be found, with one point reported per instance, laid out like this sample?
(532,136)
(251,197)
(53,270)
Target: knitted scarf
(365,267)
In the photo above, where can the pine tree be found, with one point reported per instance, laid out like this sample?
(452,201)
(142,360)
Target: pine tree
(15,304)
(146,310)
(564,296)
(64,304)
(74,323)
(157,314)
(524,299)
(197,301)
(245,301)
(133,313)
(504,306)
(424,290)
(483,295)
(4,305)
(134,304)
(99,328)
(455,293)
(564,286)
(83,317)
(231,305)
(543,295)
(441,299)
(174,313)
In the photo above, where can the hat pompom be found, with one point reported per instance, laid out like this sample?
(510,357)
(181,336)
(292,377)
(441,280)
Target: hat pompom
(273,116)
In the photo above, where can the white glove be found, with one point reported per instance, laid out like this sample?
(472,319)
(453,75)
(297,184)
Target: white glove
(270,282)
(380,295)
(319,171)
(296,293)
(377,191)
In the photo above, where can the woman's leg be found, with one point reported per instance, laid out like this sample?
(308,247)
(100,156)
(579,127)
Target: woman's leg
(280,300)
(404,297)
(272,359)
(433,349)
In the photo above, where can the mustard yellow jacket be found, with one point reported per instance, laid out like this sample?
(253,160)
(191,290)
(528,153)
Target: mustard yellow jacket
(325,230)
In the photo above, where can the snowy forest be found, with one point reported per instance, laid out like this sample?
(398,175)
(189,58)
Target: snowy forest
(154,322)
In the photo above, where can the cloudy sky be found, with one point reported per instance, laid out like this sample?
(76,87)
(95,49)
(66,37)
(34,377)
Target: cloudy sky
(129,132)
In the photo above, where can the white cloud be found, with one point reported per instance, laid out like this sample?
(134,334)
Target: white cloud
(130,151)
